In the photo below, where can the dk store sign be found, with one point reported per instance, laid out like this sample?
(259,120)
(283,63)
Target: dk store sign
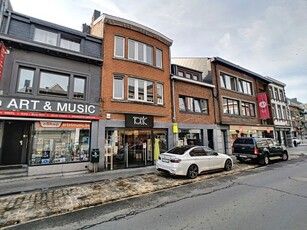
(138,121)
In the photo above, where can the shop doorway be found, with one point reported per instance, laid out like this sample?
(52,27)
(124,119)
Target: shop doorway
(138,147)
(15,142)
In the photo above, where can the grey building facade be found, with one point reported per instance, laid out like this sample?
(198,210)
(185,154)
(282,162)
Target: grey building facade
(50,95)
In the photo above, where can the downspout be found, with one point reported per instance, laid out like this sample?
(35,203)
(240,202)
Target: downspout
(8,22)
(217,94)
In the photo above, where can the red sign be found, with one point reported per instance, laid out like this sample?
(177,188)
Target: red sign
(263,106)
(2,56)
(46,115)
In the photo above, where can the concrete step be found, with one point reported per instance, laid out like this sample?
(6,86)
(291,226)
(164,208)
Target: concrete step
(13,171)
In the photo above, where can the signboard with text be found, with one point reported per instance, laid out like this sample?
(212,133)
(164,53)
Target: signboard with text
(263,106)
(138,121)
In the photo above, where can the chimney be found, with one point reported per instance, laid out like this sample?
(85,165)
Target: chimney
(96,15)
(86,28)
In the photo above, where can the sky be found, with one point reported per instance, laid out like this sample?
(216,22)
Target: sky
(268,37)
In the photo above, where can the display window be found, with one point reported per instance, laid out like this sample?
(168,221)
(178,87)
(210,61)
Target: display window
(126,148)
(60,142)
(190,137)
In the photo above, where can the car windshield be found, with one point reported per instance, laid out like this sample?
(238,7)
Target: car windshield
(180,150)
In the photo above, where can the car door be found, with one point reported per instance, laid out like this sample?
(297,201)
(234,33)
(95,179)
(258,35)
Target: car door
(274,149)
(200,158)
(214,158)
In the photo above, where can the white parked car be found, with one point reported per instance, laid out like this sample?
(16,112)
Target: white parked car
(191,160)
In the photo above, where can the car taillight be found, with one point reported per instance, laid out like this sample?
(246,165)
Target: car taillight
(176,160)
(256,151)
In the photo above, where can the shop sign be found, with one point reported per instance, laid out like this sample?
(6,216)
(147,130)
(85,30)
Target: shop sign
(2,56)
(47,106)
(50,124)
(138,121)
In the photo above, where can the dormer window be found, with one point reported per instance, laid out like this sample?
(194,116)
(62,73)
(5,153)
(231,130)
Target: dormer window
(56,39)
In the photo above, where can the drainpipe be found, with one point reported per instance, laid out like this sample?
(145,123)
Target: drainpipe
(8,23)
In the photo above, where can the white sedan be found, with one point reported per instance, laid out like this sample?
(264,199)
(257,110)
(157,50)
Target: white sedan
(191,160)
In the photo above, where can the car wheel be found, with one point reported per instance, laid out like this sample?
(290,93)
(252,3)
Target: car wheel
(285,156)
(192,172)
(265,160)
(228,165)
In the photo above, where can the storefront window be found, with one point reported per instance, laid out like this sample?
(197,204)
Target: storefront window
(134,147)
(60,142)
(190,137)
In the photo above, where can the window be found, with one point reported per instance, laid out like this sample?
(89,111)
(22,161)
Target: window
(45,36)
(140,90)
(274,110)
(159,58)
(271,92)
(180,73)
(281,95)
(228,82)
(119,48)
(245,87)
(25,80)
(194,105)
(70,44)
(118,87)
(53,84)
(195,77)
(160,94)
(140,52)
(182,104)
(279,115)
(54,145)
(247,109)
(276,94)
(79,87)
(230,106)
(187,75)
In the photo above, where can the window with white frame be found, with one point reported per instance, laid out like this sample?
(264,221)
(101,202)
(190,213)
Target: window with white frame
(70,44)
(140,52)
(119,47)
(281,95)
(274,110)
(57,39)
(159,58)
(160,94)
(118,87)
(45,36)
(140,90)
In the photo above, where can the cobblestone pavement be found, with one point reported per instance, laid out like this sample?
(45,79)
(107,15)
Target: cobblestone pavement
(22,208)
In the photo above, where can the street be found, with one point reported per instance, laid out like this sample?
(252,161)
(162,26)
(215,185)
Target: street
(271,197)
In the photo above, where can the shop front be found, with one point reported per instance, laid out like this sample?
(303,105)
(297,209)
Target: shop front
(44,137)
(250,131)
(135,145)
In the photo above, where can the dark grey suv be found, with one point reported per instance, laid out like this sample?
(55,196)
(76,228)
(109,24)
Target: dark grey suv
(259,150)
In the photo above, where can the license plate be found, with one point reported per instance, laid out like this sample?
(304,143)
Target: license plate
(165,160)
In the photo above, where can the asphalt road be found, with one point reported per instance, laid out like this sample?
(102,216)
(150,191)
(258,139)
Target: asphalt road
(271,197)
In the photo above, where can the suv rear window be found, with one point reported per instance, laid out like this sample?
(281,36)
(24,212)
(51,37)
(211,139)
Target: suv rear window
(248,141)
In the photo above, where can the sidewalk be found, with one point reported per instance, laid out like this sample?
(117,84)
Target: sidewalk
(30,184)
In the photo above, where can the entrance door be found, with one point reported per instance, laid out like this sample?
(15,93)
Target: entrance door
(139,147)
(15,142)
